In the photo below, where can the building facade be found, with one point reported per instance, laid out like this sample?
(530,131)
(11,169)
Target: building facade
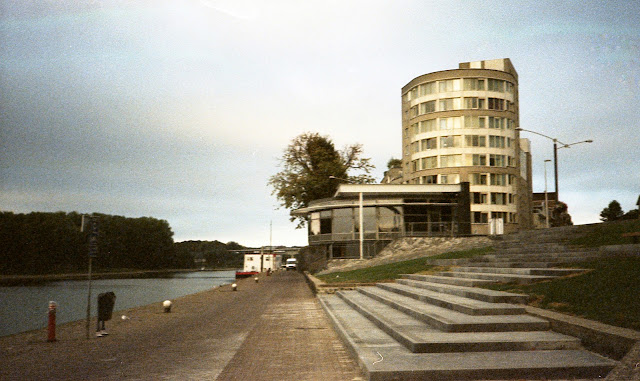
(361,219)
(460,126)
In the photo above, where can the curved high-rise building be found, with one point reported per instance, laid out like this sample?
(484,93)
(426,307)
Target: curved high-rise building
(460,126)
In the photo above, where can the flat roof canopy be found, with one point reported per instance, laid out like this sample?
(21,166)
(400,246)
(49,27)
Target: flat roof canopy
(350,190)
(398,191)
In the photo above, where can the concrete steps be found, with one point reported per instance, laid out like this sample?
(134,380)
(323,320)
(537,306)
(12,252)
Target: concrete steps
(456,303)
(448,320)
(391,344)
(419,337)
(443,327)
(554,272)
(516,260)
(498,277)
(485,295)
(449,280)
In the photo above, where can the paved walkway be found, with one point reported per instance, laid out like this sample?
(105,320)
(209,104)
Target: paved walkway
(271,330)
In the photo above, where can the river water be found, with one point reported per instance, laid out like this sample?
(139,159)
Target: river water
(23,308)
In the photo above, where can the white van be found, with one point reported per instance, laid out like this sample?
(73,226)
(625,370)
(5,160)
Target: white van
(291,264)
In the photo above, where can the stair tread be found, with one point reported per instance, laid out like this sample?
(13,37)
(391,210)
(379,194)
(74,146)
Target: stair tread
(457,290)
(461,281)
(420,337)
(523,276)
(449,315)
(467,275)
(460,300)
(454,320)
(518,270)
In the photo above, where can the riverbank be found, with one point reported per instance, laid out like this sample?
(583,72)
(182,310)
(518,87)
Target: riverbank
(27,280)
(268,330)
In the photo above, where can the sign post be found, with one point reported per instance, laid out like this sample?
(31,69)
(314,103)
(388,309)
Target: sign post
(93,252)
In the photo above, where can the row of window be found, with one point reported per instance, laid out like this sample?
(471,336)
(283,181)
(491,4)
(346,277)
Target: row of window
(466,84)
(466,103)
(345,221)
(495,198)
(491,179)
(483,217)
(495,179)
(462,160)
(438,179)
(456,141)
(459,122)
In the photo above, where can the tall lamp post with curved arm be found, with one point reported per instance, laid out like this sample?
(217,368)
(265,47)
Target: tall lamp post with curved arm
(555,153)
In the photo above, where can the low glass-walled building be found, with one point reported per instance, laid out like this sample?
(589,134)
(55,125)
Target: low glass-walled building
(388,212)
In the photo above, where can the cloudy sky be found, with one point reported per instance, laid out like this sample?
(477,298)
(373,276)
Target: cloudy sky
(180,109)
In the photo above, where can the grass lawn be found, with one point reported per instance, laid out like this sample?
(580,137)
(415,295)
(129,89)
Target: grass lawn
(609,294)
(608,233)
(393,271)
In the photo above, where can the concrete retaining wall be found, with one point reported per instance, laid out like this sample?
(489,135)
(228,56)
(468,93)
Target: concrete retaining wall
(602,338)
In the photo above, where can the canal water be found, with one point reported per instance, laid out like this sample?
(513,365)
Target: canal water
(23,308)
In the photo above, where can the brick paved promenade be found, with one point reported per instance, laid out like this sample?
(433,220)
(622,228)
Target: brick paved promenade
(271,330)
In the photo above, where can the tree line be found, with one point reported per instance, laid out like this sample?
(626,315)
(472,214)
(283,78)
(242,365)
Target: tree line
(212,254)
(48,243)
(614,212)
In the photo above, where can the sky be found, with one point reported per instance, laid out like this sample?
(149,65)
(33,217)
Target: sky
(181,109)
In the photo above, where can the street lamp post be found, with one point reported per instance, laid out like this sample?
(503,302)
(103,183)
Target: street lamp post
(360,214)
(555,153)
(546,198)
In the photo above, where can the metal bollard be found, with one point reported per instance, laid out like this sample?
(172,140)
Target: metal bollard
(52,321)
(256,279)
(234,287)
(167,306)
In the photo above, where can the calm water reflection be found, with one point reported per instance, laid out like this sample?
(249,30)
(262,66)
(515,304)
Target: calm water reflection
(25,308)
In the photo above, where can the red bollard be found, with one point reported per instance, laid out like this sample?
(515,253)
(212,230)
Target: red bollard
(52,321)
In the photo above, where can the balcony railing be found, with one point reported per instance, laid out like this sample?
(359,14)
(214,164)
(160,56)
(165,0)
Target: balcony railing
(411,229)
(431,229)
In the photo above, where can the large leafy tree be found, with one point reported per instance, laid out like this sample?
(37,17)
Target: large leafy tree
(612,212)
(312,169)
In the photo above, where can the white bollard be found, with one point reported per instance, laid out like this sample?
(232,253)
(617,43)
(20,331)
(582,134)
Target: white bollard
(167,306)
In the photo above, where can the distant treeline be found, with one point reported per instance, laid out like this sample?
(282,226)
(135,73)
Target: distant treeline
(46,243)
(212,254)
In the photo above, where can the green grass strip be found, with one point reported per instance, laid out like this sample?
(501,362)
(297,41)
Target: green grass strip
(608,233)
(609,293)
(393,271)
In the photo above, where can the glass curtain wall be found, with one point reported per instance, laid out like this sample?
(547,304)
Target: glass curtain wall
(343,224)
(382,222)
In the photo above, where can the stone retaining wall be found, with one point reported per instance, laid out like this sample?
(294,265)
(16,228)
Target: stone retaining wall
(407,248)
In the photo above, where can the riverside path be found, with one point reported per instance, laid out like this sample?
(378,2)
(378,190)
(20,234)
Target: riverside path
(270,330)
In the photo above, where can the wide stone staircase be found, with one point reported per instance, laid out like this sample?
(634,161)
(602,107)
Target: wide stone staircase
(444,327)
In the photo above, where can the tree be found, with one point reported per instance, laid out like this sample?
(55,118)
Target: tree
(633,214)
(394,163)
(611,213)
(308,165)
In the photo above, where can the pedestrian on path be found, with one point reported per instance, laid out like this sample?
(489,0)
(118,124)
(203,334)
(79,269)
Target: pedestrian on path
(106,301)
